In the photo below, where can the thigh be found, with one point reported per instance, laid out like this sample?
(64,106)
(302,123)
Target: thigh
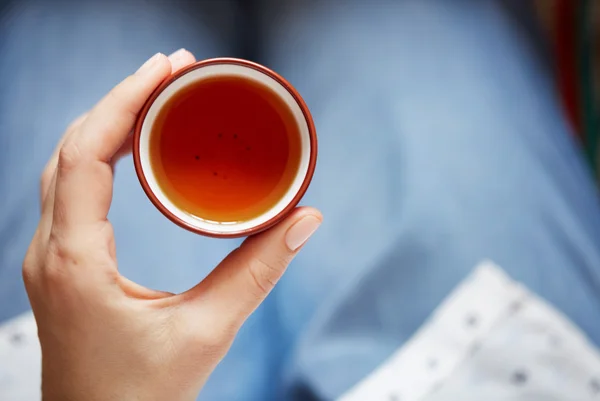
(441,144)
(56,60)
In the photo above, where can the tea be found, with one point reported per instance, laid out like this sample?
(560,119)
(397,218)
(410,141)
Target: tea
(225,149)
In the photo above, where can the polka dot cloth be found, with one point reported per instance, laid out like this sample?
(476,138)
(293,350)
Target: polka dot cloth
(20,360)
(508,345)
(491,339)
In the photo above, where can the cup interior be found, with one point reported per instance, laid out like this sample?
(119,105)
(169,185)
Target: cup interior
(212,70)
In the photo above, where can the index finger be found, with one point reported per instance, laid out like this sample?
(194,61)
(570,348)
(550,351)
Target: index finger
(84,174)
(111,120)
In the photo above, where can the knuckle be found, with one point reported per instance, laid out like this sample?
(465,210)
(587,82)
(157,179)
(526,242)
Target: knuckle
(60,257)
(118,95)
(29,267)
(75,124)
(69,155)
(63,252)
(264,275)
(125,84)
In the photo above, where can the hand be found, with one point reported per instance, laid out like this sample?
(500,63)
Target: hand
(102,336)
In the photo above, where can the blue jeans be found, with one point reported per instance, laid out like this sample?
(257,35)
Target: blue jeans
(442,143)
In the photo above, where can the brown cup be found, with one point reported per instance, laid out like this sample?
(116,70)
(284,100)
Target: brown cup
(210,69)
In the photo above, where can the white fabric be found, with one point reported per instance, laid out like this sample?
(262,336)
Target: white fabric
(491,339)
(20,360)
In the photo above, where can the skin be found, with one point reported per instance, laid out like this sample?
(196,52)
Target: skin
(102,336)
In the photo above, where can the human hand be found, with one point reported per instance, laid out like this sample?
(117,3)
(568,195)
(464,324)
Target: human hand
(102,336)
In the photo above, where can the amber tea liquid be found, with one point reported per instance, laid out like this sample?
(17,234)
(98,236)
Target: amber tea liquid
(225,149)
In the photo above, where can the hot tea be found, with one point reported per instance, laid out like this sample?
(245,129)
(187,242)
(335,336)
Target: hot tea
(225,149)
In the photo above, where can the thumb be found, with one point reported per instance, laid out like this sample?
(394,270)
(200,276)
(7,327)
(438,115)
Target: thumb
(243,279)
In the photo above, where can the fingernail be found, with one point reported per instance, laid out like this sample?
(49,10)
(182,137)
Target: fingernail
(177,54)
(150,64)
(301,231)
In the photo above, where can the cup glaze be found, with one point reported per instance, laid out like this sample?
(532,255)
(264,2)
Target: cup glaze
(209,69)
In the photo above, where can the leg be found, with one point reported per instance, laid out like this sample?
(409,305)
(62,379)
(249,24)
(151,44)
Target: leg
(57,59)
(441,144)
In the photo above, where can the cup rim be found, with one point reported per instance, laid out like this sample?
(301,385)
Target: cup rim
(244,232)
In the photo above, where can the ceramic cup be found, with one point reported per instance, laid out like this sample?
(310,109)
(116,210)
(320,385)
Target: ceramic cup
(211,69)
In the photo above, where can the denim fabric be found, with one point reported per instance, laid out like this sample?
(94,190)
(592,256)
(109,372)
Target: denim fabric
(441,144)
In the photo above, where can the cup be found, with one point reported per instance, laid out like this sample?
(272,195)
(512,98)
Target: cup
(209,153)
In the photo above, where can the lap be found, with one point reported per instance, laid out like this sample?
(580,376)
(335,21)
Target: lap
(441,144)
(56,60)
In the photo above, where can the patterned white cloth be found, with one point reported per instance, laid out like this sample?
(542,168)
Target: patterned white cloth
(20,360)
(491,339)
